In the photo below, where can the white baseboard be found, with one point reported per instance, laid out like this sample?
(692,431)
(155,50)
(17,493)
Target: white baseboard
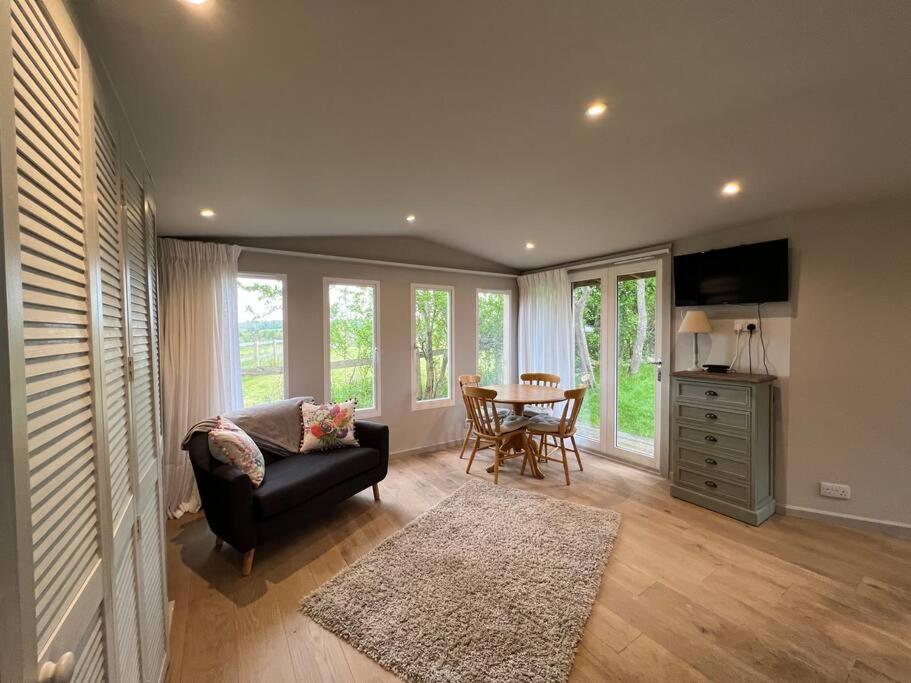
(423,450)
(900,529)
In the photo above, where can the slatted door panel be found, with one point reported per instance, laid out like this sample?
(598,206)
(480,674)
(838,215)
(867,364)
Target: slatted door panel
(115,392)
(153,625)
(142,307)
(126,618)
(58,392)
(140,326)
(90,656)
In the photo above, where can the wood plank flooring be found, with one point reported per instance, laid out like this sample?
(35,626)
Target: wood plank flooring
(688,595)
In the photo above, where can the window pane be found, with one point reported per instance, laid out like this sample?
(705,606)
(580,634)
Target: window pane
(260,312)
(431,332)
(636,317)
(587,356)
(493,308)
(352,343)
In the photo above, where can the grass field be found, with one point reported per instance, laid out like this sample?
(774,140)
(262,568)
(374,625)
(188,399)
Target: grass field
(636,403)
(262,389)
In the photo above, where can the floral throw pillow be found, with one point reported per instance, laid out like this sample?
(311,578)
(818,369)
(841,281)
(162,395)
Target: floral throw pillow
(231,445)
(330,425)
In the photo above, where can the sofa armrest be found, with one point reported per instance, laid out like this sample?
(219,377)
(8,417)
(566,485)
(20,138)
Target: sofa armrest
(373,435)
(226,494)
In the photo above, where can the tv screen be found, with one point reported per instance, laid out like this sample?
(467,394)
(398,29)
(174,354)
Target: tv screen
(748,274)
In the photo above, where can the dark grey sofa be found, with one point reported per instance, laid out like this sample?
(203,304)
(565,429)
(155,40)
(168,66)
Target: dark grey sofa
(294,489)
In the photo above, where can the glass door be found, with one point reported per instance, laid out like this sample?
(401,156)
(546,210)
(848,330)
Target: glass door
(617,331)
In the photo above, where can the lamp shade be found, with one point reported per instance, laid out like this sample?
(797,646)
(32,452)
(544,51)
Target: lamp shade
(696,322)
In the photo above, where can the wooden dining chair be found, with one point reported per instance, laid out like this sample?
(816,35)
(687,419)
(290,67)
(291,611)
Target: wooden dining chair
(467,381)
(559,429)
(539,379)
(489,428)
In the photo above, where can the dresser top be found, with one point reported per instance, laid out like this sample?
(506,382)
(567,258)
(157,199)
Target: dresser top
(724,376)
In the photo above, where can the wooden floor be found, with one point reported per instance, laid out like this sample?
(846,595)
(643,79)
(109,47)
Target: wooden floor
(687,594)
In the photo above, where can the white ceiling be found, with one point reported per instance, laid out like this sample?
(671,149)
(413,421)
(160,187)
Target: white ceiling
(335,117)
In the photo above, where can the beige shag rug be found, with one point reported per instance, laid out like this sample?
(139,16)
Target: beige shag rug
(492,584)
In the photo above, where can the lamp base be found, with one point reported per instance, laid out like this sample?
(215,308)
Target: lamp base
(694,368)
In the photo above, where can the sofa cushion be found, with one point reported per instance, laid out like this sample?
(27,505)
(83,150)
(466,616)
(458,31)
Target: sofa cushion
(294,480)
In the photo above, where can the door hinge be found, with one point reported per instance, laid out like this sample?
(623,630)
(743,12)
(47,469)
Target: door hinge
(130,367)
(139,527)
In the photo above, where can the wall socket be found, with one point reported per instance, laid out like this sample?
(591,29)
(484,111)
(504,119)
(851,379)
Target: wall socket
(741,325)
(830,490)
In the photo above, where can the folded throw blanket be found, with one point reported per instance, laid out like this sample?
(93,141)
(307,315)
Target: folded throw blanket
(275,426)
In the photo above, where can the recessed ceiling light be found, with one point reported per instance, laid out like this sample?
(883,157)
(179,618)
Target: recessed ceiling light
(529,245)
(596,109)
(730,188)
(195,2)
(207,213)
(411,218)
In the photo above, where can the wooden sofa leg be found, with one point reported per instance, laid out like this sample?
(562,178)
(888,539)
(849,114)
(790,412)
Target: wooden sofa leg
(219,542)
(376,492)
(247,566)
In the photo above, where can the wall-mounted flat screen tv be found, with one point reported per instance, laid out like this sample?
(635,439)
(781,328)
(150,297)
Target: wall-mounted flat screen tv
(748,274)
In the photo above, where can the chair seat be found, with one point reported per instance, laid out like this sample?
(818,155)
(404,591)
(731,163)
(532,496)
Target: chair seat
(536,411)
(292,481)
(545,425)
(512,423)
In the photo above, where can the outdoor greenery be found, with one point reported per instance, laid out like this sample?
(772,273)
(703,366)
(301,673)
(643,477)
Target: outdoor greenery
(352,342)
(431,340)
(492,312)
(636,345)
(262,351)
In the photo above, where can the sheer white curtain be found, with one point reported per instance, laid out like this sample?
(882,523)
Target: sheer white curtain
(546,324)
(200,354)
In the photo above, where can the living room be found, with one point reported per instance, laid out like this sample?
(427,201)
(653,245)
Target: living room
(455,342)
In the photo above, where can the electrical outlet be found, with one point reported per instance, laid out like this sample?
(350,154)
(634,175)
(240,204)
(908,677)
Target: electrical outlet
(830,490)
(741,325)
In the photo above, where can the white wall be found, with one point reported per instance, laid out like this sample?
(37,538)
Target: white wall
(408,429)
(840,349)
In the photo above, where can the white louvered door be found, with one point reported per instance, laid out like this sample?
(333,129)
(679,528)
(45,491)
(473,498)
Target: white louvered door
(59,395)
(83,590)
(143,305)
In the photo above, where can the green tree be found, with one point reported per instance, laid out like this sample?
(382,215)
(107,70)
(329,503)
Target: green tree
(491,333)
(431,338)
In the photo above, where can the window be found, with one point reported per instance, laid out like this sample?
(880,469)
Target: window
(431,336)
(493,336)
(352,330)
(261,321)
(587,354)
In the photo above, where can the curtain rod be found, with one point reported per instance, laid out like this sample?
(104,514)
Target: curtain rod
(375,262)
(619,257)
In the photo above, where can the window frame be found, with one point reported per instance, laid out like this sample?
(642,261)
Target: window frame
(376,411)
(507,330)
(431,403)
(285,350)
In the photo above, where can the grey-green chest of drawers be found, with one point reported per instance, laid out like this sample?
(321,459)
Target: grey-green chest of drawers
(721,443)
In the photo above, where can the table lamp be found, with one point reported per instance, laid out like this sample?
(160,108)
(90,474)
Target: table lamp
(697,323)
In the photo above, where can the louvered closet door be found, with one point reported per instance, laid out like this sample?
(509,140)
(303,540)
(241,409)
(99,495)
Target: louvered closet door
(68,583)
(143,349)
(111,256)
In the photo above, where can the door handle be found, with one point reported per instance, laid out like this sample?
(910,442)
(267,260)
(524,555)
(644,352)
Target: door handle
(60,671)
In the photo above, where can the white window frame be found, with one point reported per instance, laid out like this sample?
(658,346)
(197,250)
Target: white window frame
(327,362)
(285,351)
(507,336)
(434,402)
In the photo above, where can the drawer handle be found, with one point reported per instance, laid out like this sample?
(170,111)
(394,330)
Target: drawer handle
(711,416)
(711,393)
(711,461)
(710,438)
(711,484)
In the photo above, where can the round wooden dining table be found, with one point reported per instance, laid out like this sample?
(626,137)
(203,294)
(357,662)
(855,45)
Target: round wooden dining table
(517,396)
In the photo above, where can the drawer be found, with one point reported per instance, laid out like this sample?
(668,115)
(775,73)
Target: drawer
(714,487)
(713,416)
(712,440)
(709,463)
(713,394)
